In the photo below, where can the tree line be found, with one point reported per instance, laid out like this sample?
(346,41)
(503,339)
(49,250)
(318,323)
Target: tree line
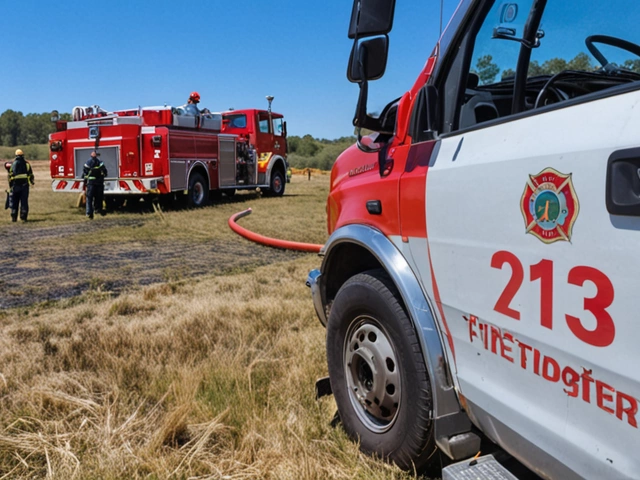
(487,70)
(309,152)
(33,128)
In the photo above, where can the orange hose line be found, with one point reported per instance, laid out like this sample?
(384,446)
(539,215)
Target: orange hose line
(271,242)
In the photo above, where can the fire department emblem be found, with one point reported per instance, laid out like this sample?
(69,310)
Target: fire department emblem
(549,206)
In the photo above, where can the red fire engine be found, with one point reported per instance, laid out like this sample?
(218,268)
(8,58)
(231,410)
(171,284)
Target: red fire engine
(159,151)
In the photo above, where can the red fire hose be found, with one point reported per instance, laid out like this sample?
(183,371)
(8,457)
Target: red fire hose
(271,242)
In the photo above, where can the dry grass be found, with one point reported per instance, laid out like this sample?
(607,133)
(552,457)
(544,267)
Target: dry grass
(211,379)
(202,377)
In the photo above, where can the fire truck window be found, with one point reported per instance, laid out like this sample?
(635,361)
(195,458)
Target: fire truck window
(237,121)
(582,52)
(263,125)
(488,93)
(277,126)
(566,65)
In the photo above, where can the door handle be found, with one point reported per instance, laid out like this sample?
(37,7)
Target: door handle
(623,182)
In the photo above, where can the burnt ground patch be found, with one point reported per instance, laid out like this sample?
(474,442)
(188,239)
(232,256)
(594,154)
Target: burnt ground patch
(31,275)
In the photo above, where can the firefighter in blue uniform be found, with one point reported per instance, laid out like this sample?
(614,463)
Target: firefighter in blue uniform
(20,178)
(93,173)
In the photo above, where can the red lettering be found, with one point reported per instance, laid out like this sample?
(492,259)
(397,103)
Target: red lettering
(544,272)
(523,353)
(473,320)
(495,337)
(571,379)
(630,410)
(517,276)
(485,335)
(554,376)
(506,349)
(601,396)
(605,330)
(586,385)
(536,361)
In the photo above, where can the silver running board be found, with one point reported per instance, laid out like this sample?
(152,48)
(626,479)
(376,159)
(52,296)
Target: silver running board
(481,468)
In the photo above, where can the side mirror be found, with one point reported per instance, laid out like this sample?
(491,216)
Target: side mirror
(368,143)
(371,17)
(368,59)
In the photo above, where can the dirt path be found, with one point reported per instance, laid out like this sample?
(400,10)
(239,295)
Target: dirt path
(32,275)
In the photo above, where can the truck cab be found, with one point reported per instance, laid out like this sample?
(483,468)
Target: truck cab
(265,130)
(480,281)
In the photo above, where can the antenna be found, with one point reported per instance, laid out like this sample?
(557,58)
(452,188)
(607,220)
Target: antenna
(441,8)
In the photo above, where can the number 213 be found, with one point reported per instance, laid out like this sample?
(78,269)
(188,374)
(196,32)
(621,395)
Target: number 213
(604,332)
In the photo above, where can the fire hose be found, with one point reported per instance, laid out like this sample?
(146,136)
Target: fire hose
(271,242)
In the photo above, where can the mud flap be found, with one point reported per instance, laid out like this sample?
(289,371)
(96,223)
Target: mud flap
(323,388)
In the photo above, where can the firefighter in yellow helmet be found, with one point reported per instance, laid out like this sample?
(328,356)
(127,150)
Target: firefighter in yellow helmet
(20,178)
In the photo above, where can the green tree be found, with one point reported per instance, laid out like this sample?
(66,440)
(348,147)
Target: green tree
(10,121)
(581,62)
(35,128)
(308,146)
(309,152)
(486,69)
(632,65)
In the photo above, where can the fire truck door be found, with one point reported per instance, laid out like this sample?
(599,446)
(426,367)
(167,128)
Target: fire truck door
(536,278)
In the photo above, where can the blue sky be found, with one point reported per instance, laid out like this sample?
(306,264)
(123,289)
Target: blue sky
(124,54)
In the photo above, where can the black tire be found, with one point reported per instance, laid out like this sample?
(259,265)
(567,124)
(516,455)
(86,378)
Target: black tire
(388,410)
(198,193)
(276,184)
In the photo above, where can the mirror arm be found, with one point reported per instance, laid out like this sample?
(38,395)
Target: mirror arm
(361,108)
(508,34)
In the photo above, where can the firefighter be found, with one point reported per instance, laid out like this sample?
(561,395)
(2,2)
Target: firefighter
(93,173)
(191,107)
(20,178)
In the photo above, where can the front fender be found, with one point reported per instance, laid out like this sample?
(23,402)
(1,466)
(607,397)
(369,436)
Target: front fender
(275,160)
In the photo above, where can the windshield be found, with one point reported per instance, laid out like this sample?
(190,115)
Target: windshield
(236,121)
(564,33)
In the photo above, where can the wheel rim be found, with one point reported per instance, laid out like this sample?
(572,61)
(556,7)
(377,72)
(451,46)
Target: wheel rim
(198,193)
(277,184)
(371,370)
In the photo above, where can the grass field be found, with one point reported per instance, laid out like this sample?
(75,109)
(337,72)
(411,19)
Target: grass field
(203,369)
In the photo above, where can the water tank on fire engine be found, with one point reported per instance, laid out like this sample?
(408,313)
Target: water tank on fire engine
(211,121)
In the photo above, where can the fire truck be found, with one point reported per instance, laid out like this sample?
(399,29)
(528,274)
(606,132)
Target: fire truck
(480,283)
(160,151)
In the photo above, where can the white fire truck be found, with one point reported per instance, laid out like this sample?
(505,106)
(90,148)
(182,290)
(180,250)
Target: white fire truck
(161,151)
(481,278)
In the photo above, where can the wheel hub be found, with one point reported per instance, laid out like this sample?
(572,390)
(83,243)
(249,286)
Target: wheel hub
(372,375)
